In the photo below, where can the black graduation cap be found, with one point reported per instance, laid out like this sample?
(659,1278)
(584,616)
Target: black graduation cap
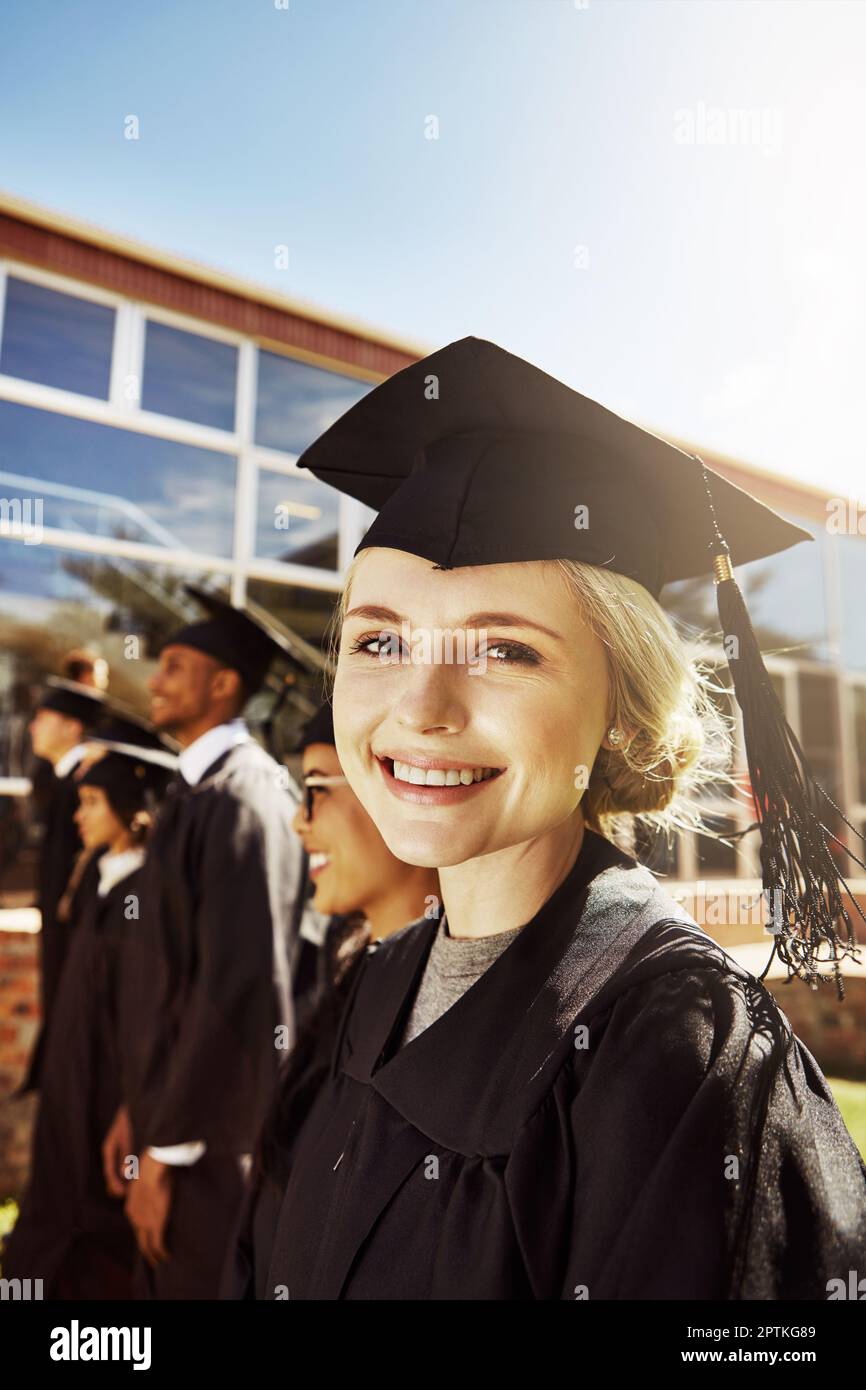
(124,731)
(136,763)
(475,457)
(74,700)
(232,637)
(319,728)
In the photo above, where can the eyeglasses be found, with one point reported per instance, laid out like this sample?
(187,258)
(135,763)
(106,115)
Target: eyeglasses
(311,784)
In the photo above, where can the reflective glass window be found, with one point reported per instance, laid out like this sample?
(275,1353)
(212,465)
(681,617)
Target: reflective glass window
(298,519)
(852,563)
(786,599)
(57,339)
(296,402)
(108,482)
(190,376)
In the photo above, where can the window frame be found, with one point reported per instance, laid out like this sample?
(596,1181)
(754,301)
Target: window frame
(122,412)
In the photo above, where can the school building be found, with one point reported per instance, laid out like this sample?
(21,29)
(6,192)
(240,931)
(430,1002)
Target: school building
(152,412)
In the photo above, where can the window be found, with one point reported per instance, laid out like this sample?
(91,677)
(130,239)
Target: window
(819,726)
(656,850)
(307,613)
(103,481)
(858,696)
(296,402)
(691,605)
(57,339)
(785,598)
(852,563)
(298,520)
(52,600)
(713,857)
(189,376)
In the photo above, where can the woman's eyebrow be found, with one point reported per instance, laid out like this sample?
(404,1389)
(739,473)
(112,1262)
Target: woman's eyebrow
(387,615)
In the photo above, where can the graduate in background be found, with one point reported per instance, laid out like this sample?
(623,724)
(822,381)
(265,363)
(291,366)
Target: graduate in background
(210,968)
(369,894)
(71,1232)
(66,711)
(611,1107)
(86,667)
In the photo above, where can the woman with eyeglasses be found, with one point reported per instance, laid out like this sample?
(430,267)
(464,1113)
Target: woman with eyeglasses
(369,894)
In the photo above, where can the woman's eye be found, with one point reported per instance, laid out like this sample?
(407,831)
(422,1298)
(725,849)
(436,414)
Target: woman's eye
(370,645)
(386,646)
(512,652)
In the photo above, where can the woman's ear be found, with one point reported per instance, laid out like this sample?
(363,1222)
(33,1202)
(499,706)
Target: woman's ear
(616,738)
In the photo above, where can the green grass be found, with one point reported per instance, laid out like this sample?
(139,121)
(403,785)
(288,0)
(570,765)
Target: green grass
(850,1096)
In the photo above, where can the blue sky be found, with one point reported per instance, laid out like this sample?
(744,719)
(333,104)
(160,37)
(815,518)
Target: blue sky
(659,201)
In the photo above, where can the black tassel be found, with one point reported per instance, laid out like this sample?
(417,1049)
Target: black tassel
(798,870)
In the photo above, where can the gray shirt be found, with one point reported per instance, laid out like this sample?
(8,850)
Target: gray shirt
(453,966)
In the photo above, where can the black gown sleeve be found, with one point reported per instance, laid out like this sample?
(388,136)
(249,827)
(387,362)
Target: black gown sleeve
(225,1043)
(690,1150)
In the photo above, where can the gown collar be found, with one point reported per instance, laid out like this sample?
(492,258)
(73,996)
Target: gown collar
(473,1077)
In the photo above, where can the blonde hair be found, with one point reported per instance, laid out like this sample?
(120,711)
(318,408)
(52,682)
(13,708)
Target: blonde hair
(677,743)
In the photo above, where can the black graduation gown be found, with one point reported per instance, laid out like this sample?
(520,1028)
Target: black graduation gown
(614,1110)
(60,847)
(249,1252)
(70,1232)
(210,984)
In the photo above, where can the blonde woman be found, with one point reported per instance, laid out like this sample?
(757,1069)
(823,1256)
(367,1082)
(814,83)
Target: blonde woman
(611,1108)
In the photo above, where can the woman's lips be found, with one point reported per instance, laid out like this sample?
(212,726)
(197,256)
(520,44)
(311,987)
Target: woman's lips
(432,796)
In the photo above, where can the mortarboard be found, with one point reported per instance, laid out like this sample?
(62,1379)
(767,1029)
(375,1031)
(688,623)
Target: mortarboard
(473,456)
(123,731)
(136,763)
(76,701)
(232,637)
(318,729)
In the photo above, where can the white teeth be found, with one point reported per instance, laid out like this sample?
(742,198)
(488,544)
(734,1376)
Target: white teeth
(318,860)
(440,776)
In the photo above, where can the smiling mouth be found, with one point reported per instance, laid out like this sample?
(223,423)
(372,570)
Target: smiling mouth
(439,776)
(434,783)
(317,862)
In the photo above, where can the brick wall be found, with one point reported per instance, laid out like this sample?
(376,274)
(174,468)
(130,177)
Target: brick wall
(19,1019)
(834,1033)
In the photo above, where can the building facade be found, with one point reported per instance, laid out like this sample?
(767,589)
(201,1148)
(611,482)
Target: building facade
(152,412)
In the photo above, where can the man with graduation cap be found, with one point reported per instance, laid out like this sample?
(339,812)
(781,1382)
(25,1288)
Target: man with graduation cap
(65,712)
(221,904)
(613,1108)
